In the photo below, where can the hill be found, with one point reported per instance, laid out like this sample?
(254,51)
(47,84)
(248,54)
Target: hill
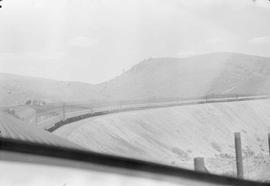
(197,76)
(216,74)
(176,135)
(17,89)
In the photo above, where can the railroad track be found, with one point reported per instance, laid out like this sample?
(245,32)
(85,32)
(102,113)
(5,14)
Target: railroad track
(79,115)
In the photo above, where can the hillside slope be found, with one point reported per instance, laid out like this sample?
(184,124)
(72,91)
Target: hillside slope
(15,89)
(176,135)
(155,78)
(216,73)
(11,127)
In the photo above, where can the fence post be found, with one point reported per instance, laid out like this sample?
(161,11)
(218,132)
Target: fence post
(238,153)
(199,164)
(269,142)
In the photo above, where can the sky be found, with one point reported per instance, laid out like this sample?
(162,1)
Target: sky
(95,40)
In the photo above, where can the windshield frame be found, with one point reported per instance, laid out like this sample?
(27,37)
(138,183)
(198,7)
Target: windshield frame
(108,163)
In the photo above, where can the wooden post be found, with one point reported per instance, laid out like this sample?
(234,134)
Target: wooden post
(238,153)
(269,142)
(199,164)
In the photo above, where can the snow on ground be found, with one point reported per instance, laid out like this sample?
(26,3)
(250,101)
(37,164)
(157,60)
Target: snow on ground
(11,127)
(176,135)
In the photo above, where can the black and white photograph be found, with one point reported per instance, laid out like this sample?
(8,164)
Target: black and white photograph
(134,92)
